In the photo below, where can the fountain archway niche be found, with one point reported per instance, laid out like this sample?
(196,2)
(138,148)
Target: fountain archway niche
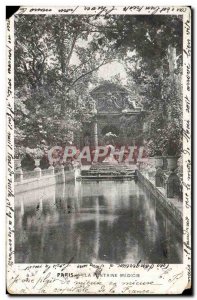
(112,104)
(110,135)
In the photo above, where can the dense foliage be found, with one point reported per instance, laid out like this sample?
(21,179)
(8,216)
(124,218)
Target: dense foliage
(56,62)
(155,66)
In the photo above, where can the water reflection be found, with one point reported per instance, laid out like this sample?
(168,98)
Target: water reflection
(103,222)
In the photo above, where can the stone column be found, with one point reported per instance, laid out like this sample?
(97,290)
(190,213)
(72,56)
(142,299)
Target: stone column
(95,133)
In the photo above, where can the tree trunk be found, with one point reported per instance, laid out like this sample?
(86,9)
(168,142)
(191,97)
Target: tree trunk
(172,59)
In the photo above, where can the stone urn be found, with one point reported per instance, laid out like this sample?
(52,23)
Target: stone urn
(158,161)
(172,162)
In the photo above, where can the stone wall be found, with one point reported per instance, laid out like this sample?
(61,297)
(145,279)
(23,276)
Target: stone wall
(171,208)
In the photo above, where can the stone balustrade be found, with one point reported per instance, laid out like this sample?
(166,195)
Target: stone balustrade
(173,207)
(38,177)
(162,176)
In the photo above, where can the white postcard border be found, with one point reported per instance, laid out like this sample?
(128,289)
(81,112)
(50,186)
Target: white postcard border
(153,279)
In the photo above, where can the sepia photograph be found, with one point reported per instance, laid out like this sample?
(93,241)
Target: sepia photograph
(99,142)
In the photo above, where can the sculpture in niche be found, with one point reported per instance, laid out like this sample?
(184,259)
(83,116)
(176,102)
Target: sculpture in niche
(114,98)
(109,102)
(120,103)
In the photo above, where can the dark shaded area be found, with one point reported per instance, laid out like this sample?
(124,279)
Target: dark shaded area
(10,10)
(44,162)
(188,292)
(28,163)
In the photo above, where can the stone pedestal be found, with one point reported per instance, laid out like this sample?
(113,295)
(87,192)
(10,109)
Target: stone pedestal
(38,172)
(37,169)
(18,170)
(51,168)
(17,164)
(19,174)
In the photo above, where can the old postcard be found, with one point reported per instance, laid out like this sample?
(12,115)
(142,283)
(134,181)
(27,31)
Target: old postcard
(99,150)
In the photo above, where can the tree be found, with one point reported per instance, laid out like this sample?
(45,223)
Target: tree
(152,51)
(55,61)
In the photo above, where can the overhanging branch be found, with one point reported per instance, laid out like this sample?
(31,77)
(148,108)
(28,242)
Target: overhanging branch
(87,73)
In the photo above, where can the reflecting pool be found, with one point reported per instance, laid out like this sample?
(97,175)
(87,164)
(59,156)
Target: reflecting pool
(98,222)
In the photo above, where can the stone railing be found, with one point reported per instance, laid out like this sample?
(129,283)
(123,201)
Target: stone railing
(21,175)
(39,178)
(163,174)
(173,207)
